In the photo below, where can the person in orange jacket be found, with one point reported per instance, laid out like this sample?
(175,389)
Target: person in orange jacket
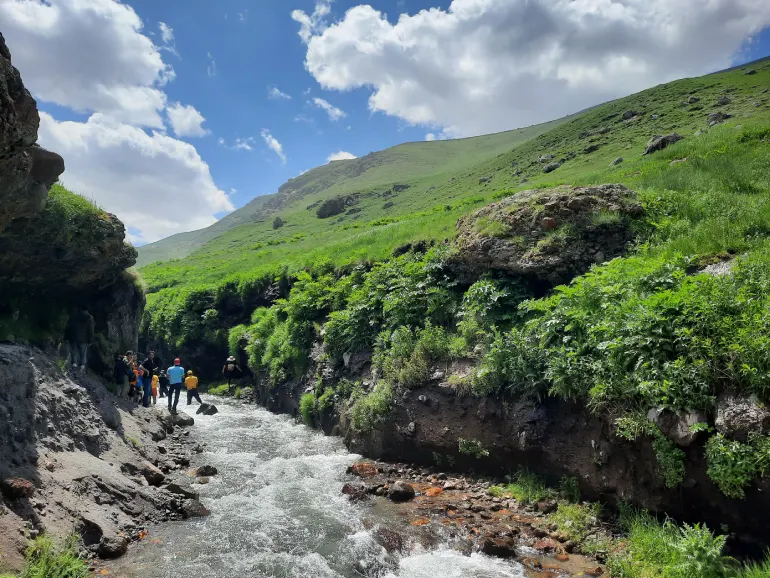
(155,381)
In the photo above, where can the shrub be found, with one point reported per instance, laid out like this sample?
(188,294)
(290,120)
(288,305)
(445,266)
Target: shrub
(528,488)
(45,560)
(370,409)
(670,458)
(472,448)
(576,520)
(307,408)
(731,465)
(404,357)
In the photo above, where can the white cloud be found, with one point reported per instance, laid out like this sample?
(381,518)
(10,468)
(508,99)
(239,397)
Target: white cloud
(244,144)
(243,16)
(156,184)
(303,118)
(488,65)
(88,55)
(185,120)
(274,93)
(211,69)
(340,156)
(313,23)
(430,137)
(334,113)
(166,33)
(273,144)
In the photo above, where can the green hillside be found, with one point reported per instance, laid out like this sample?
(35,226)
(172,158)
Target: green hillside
(446,180)
(418,163)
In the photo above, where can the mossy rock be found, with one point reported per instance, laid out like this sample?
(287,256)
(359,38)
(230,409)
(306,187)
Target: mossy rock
(551,235)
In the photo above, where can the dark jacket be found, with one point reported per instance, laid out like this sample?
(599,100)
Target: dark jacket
(80,328)
(122,370)
(150,365)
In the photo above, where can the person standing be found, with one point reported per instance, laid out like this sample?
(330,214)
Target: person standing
(79,333)
(229,371)
(149,366)
(155,381)
(122,375)
(191,382)
(175,377)
(163,382)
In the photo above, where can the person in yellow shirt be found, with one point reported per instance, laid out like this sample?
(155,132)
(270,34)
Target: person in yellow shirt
(191,382)
(155,381)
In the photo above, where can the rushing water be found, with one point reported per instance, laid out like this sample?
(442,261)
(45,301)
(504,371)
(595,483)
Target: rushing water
(278,511)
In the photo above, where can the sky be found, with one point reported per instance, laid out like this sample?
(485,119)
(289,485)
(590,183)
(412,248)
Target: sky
(173,113)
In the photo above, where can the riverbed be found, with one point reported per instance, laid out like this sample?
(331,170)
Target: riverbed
(278,511)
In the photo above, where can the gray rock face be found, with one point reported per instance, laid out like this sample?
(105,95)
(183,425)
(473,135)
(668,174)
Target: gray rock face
(629,114)
(677,427)
(152,474)
(551,235)
(658,142)
(550,167)
(401,492)
(26,171)
(717,117)
(738,416)
(206,471)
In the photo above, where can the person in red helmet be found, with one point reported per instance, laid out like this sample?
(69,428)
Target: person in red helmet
(176,376)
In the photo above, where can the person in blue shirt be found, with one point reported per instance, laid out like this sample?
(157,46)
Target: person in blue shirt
(175,378)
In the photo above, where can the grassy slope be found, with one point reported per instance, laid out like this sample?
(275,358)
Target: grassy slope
(418,164)
(444,179)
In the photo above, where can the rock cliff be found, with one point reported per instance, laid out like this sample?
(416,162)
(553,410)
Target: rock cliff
(57,250)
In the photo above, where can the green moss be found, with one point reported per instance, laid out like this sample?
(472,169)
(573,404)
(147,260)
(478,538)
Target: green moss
(370,409)
(308,408)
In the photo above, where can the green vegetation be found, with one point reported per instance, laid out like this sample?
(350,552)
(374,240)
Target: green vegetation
(218,390)
(576,521)
(647,330)
(472,448)
(45,560)
(525,487)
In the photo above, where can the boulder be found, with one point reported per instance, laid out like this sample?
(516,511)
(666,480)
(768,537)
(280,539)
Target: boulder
(740,415)
(389,539)
(629,114)
(545,158)
(499,547)
(552,235)
(692,100)
(717,117)
(617,161)
(207,409)
(363,470)
(112,546)
(658,142)
(750,72)
(677,426)
(206,471)
(181,490)
(550,167)
(723,101)
(591,149)
(152,474)
(17,488)
(182,419)
(401,492)
(194,509)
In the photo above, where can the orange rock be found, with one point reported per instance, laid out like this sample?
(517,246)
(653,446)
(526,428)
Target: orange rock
(598,571)
(562,557)
(433,492)
(544,545)
(420,522)
(364,470)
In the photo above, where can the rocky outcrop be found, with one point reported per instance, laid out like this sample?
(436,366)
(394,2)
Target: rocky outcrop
(659,142)
(72,452)
(738,416)
(57,250)
(26,171)
(551,235)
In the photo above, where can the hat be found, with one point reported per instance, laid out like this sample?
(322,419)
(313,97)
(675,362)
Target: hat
(189,372)
(231,358)
(177,362)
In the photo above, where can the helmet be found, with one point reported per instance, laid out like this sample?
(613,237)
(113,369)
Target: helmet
(177,361)
(231,358)
(189,372)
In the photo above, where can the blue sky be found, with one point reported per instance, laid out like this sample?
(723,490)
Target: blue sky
(108,76)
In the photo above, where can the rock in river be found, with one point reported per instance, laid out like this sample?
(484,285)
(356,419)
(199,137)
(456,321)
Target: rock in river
(401,492)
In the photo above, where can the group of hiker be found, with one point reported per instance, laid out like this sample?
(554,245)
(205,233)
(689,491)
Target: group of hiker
(142,382)
(145,381)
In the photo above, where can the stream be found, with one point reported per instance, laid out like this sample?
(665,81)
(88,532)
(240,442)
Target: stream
(278,511)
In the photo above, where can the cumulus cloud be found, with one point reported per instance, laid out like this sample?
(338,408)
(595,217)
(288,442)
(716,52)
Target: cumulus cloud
(156,184)
(312,23)
(273,144)
(274,93)
(430,137)
(488,65)
(340,156)
(334,113)
(88,56)
(185,120)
